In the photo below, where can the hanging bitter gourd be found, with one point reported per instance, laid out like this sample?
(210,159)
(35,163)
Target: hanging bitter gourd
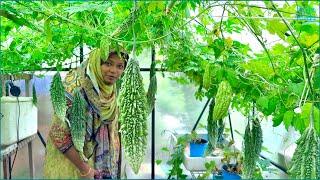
(252,148)
(305,161)
(152,89)
(207,76)
(248,158)
(212,129)
(78,121)
(34,95)
(257,139)
(133,115)
(223,100)
(57,93)
(220,139)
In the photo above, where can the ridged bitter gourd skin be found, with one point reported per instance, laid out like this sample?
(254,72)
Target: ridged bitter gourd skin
(305,161)
(152,89)
(212,128)
(207,76)
(133,115)
(57,94)
(252,148)
(78,121)
(222,100)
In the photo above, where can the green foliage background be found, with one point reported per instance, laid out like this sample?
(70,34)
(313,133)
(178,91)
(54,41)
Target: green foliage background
(282,77)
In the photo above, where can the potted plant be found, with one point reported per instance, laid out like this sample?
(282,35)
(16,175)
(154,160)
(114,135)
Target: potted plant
(197,145)
(232,164)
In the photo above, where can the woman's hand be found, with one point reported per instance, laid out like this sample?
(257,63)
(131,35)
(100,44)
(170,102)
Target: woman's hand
(88,174)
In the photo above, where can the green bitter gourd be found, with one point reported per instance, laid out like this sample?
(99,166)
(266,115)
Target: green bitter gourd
(212,129)
(222,101)
(133,115)
(57,93)
(34,95)
(152,89)
(208,73)
(252,148)
(78,121)
(305,160)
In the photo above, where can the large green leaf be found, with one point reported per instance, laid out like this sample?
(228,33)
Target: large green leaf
(260,67)
(277,120)
(306,113)
(288,118)
(274,26)
(262,102)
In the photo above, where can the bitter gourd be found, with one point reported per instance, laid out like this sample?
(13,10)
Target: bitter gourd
(222,100)
(57,93)
(252,147)
(78,121)
(133,115)
(212,129)
(34,96)
(220,139)
(152,89)
(257,139)
(305,160)
(207,76)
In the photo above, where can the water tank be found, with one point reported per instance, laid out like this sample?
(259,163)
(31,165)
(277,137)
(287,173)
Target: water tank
(18,117)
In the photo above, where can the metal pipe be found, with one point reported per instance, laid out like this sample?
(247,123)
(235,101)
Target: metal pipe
(230,124)
(41,139)
(204,108)
(153,128)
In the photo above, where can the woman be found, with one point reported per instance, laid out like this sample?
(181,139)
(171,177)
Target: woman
(101,152)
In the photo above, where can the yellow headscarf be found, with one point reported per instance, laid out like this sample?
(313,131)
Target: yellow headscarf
(107,92)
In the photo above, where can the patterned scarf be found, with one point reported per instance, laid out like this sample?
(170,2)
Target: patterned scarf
(107,93)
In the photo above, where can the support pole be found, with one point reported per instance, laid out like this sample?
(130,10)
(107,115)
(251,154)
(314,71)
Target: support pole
(153,128)
(204,108)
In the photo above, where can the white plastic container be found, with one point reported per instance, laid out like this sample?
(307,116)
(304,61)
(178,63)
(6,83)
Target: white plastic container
(198,163)
(26,117)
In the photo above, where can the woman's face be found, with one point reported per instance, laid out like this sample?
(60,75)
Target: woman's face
(112,69)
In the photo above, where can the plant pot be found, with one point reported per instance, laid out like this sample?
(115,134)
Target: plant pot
(230,175)
(217,176)
(198,149)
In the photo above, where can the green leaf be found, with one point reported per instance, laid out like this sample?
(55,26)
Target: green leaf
(305,116)
(165,149)
(260,67)
(241,134)
(296,88)
(308,39)
(158,161)
(272,105)
(218,47)
(309,27)
(298,123)
(265,149)
(287,118)
(277,27)
(47,30)
(277,120)
(232,77)
(263,102)
(152,6)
